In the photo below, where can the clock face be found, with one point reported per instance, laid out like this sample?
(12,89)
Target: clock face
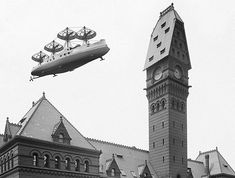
(157,73)
(178,72)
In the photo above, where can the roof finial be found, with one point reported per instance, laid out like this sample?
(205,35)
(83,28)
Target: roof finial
(113,156)
(33,104)
(216,148)
(7,119)
(43,94)
(61,118)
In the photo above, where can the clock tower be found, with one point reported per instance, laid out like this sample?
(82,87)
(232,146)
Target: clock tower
(167,66)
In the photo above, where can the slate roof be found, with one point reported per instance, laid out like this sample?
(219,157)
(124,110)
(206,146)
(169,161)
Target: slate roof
(128,158)
(159,35)
(40,121)
(197,168)
(217,164)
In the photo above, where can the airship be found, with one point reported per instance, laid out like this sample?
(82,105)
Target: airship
(77,51)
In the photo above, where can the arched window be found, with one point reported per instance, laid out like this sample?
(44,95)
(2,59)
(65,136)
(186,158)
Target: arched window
(172,103)
(35,159)
(77,165)
(113,172)
(5,164)
(158,106)
(152,108)
(1,163)
(67,163)
(61,138)
(46,162)
(12,160)
(163,104)
(182,106)
(86,166)
(8,162)
(57,162)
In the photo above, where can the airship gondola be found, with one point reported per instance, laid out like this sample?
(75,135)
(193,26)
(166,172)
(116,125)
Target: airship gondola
(68,57)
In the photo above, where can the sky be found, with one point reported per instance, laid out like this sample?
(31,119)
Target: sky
(105,99)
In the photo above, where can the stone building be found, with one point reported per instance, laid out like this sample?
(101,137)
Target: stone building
(44,144)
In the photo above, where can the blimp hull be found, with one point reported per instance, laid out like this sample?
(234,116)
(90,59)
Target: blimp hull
(71,58)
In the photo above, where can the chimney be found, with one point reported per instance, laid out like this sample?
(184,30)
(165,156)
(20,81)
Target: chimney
(207,165)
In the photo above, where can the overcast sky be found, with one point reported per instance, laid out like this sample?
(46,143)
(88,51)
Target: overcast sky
(105,99)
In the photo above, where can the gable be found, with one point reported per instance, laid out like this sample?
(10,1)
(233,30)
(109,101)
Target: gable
(60,133)
(40,121)
(112,164)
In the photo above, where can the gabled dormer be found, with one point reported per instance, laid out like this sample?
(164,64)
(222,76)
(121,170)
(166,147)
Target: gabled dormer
(60,133)
(11,130)
(145,172)
(112,169)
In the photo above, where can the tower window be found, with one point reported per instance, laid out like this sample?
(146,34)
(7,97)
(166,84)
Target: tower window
(162,51)
(176,42)
(153,128)
(158,106)
(163,124)
(163,25)
(181,45)
(159,44)
(163,104)
(182,160)
(163,159)
(153,144)
(167,30)
(155,38)
(183,56)
(151,58)
(178,53)
(152,108)
(163,141)
(174,159)
(173,50)
(182,106)
(182,127)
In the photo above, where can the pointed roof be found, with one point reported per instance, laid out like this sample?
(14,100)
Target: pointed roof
(161,37)
(217,163)
(39,123)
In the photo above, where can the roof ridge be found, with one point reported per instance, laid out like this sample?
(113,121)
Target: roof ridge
(195,161)
(168,9)
(116,144)
(209,151)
